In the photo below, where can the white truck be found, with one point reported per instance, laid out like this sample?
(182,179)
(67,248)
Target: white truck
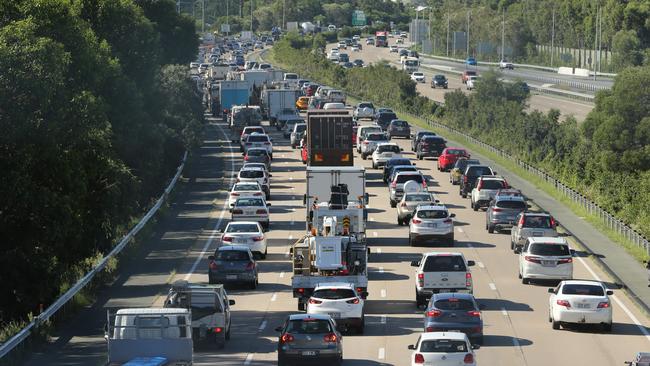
(277,101)
(219,71)
(321,179)
(152,336)
(411,64)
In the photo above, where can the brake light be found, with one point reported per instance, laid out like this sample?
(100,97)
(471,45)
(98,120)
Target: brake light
(286,338)
(430,329)
(365,142)
(330,338)
(421,279)
(416,221)
(468,279)
(433,313)
(565,260)
(521,221)
(465,179)
(603,305)
(532,259)
(469,358)
(393,184)
(424,183)
(353,301)
(267,143)
(218,330)
(301,290)
(419,358)
(403,204)
(212,265)
(226,238)
(234,194)
(258,238)
(496,209)
(246,158)
(237,211)
(474,313)
(552,222)
(260,212)
(448,221)
(505,184)
(314,301)
(563,303)
(257,194)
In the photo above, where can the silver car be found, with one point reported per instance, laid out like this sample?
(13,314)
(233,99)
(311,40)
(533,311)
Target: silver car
(307,338)
(396,186)
(296,135)
(503,210)
(370,143)
(431,223)
(529,224)
(233,264)
(410,201)
(251,209)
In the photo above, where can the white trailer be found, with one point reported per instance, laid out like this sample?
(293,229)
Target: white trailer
(277,101)
(321,179)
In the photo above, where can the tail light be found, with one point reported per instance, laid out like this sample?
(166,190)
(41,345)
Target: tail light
(234,194)
(250,266)
(603,305)
(431,329)
(227,238)
(218,330)
(267,143)
(260,212)
(433,313)
(403,204)
(393,184)
(421,279)
(468,279)
(563,303)
(330,338)
(505,184)
(469,358)
(424,183)
(258,238)
(553,223)
(301,290)
(257,194)
(416,221)
(532,259)
(286,338)
(359,290)
(365,142)
(448,221)
(521,221)
(480,185)
(465,179)
(496,209)
(474,313)
(237,211)
(353,301)
(419,358)
(314,301)
(246,158)
(212,265)
(565,260)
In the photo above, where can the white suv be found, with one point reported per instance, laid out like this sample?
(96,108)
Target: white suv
(545,258)
(383,152)
(370,142)
(259,175)
(431,223)
(441,272)
(580,302)
(443,349)
(364,110)
(260,141)
(485,189)
(362,131)
(248,233)
(341,302)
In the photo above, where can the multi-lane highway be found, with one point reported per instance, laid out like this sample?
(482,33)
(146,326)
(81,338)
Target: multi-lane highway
(517,331)
(540,102)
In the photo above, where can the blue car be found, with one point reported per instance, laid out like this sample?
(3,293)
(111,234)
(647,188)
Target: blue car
(471,61)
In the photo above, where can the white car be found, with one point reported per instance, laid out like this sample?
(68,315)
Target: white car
(583,302)
(418,77)
(370,142)
(431,223)
(356,37)
(383,152)
(244,189)
(362,131)
(355,48)
(333,56)
(248,233)
(393,49)
(334,106)
(443,349)
(343,46)
(258,140)
(545,258)
(341,302)
(251,209)
(471,82)
(247,131)
(363,110)
(255,165)
(504,64)
(258,175)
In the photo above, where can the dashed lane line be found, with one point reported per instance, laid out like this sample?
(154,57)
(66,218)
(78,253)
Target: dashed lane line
(249,359)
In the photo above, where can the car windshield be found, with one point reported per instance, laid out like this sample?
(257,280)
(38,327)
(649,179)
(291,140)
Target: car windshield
(456,152)
(422,197)
(393,162)
(242,228)
(309,326)
(445,263)
(256,152)
(432,214)
(583,289)
(478,171)
(388,148)
(519,205)
(440,77)
(443,346)
(399,123)
(454,304)
(542,222)
(493,184)
(249,202)
(258,138)
(365,105)
(251,174)
(376,137)
(246,187)
(232,255)
(334,293)
(545,249)
(425,133)
(402,178)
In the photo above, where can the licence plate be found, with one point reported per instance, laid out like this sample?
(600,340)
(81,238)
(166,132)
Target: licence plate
(335,315)
(583,306)
(231,277)
(548,263)
(433,225)
(250,212)
(537,233)
(309,353)
(239,241)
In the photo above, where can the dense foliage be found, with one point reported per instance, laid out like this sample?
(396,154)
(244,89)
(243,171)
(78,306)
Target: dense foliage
(93,123)
(607,157)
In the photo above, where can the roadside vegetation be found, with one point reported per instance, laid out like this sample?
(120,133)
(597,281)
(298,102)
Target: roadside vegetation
(96,115)
(606,157)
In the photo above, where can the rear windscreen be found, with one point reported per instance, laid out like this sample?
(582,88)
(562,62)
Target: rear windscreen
(432,214)
(517,205)
(478,171)
(256,152)
(392,162)
(376,137)
(258,138)
(541,222)
(301,128)
(433,140)
(399,123)
(445,263)
(588,290)
(549,249)
(232,255)
(334,293)
(443,346)
(456,152)
(388,148)
(405,178)
(251,174)
(246,187)
(242,228)
(454,304)
(417,198)
(309,326)
(493,184)
(249,202)
(388,116)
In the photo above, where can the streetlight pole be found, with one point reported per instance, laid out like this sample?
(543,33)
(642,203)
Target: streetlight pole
(203,16)
(251,18)
(553,38)
(468,33)
(284,3)
(503,34)
(593,58)
(448,20)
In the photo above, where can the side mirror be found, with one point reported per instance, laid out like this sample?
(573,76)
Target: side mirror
(528,206)
(210,257)
(231,302)
(609,292)
(471,263)
(476,346)
(573,252)
(268,204)
(452,215)
(438,201)
(364,294)
(411,346)
(551,290)
(494,172)
(278,329)
(415,263)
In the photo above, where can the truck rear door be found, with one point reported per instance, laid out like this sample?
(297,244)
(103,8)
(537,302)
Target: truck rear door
(445,271)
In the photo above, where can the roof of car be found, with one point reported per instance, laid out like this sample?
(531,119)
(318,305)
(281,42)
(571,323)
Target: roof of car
(256,148)
(432,254)
(582,282)
(453,295)
(243,223)
(547,240)
(242,248)
(432,207)
(337,285)
(531,213)
(491,177)
(387,144)
(252,167)
(509,198)
(303,316)
(443,335)
(409,173)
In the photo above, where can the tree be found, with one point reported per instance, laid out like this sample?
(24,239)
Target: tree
(626,46)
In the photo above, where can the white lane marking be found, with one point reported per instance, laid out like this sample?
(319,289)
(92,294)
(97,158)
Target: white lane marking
(372,219)
(286,163)
(378,250)
(293,222)
(481,265)
(282,274)
(290,178)
(249,359)
(504,311)
(383,293)
(381,354)
(381,269)
(515,341)
(493,287)
(374,233)
(460,229)
(383,319)
(262,326)
(287,254)
(282,156)
(274,297)
(618,302)
(292,188)
(290,237)
(223,212)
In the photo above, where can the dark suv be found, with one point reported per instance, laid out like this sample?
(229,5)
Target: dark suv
(503,210)
(415,138)
(430,146)
(439,81)
(470,175)
(306,338)
(384,118)
(399,128)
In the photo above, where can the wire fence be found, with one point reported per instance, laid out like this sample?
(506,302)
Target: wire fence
(60,308)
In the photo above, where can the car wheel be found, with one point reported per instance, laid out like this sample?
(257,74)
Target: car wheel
(420,157)
(253,284)
(463,194)
(364,156)
(555,325)
(374,166)
(607,327)
(519,275)
(524,280)
(393,204)
(512,245)
(450,241)
(362,326)
(265,253)
(228,334)
(419,300)
(474,206)
(400,222)
(490,228)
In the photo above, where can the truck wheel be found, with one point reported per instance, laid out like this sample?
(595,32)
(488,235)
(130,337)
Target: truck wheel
(490,228)
(393,204)
(474,206)
(301,306)
(400,222)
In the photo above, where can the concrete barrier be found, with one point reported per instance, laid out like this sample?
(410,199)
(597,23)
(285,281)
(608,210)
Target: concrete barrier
(573,71)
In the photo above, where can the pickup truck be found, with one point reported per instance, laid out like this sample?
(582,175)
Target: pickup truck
(503,64)
(441,272)
(485,189)
(364,110)
(466,74)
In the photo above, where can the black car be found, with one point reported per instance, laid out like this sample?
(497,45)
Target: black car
(430,146)
(399,128)
(403,52)
(415,139)
(394,162)
(470,175)
(343,58)
(413,53)
(358,63)
(439,81)
(384,118)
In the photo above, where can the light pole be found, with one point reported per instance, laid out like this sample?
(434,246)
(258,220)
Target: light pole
(553,38)
(417,24)
(448,21)
(503,34)
(251,18)
(468,34)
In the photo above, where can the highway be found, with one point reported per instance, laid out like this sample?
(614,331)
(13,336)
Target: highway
(541,102)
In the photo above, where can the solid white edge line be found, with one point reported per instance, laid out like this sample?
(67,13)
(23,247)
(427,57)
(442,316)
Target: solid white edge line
(223,212)
(381,353)
(282,274)
(504,311)
(493,287)
(383,292)
(374,233)
(249,359)
(460,229)
(274,297)
(618,302)
(379,250)
(383,319)
(262,326)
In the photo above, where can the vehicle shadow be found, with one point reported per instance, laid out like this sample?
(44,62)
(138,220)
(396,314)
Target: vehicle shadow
(393,257)
(386,276)
(490,340)
(499,304)
(617,328)
(473,244)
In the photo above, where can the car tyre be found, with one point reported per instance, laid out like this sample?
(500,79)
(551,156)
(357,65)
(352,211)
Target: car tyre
(393,204)
(419,300)
(253,284)
(361,328)
(400,222)
(420,157)
(525,280)
(490,228)
(555,325)
(463,194)
(266,250)
(450,241)
(607,327)
(474,206)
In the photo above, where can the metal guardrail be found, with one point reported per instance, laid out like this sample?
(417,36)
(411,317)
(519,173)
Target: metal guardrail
(40,319)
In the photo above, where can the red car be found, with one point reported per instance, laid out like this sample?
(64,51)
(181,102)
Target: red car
(303,153)
(448,158)
(354,135)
